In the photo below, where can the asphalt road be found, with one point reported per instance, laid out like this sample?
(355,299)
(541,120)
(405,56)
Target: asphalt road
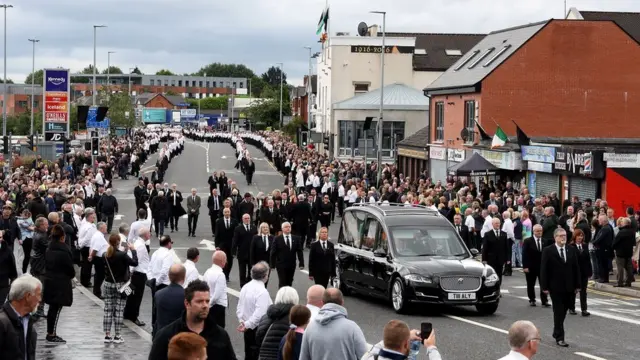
(461,333)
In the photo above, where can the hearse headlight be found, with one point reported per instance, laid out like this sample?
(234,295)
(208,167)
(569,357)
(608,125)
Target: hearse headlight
(491,280)
(418,279)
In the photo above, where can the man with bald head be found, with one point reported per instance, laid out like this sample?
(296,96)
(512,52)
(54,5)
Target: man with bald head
(531,257)
(216,279)
(314,300)
(496,251)
(524,339)
(170,300)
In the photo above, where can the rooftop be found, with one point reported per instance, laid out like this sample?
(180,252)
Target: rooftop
(418,139)
(396,97)
(628,21)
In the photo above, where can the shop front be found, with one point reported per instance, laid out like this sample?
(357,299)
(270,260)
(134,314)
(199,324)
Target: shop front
(438,163)
(539,164)
(623,181)
(455,156)
(582,171)
(412,161)
(505,160)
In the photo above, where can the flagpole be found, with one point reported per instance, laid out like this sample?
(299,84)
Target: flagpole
(326,6)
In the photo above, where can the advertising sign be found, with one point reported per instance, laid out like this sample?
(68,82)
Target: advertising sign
(154,116)
(56,101)
(575,162)
(188,113)
(541,154)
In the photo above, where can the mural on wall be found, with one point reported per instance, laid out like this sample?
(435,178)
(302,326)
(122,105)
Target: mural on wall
(623,189)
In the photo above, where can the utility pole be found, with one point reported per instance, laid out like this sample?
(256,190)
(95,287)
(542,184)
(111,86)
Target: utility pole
(33,77)
(109,73)
(93,93)
(4,97)
(281,79)
(381,117)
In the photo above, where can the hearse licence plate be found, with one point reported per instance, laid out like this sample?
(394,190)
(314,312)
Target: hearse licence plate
(462,296)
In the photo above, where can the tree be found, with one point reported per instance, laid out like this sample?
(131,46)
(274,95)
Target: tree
(37,79)
(171,92)
(291,128)
(121,110)
(210,103)
(267,112)
(272,77)
(164,72)
(226,70)
(112,70)
(84,79)
(257,86)
(9,81)
(89,70)
(136,71)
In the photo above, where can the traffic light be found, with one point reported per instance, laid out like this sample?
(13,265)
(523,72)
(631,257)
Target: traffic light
(5,145)
(325,140)
(95,146)
(65,145)
(305,138)
(31,140)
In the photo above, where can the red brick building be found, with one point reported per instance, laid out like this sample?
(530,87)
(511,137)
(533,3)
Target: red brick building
(19,98)
(300,98)
(567,82)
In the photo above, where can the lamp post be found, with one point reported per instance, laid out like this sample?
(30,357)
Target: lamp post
(281,78)
(4,96)
(33,76)
(130,71)
(93,93)
(380,118)
(109,73)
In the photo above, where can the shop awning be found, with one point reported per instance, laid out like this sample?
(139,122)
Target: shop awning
(475,165)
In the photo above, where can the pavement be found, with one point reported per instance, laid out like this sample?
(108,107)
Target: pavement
(609,334)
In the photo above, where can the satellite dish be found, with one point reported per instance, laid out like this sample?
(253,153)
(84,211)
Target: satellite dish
(464,134)
(363,29)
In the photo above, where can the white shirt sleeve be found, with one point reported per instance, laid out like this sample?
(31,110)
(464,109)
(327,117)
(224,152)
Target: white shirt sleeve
(262,304)
(163,275)
(219,289)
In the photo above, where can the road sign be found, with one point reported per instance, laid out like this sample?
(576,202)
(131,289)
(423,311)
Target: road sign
(53,136)
(59,148)
(55,127)
(100,125)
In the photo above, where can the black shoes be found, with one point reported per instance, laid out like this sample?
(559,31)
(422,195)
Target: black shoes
(561,343)
(532,303)
(586,313)
(139,323)
(546,304)
(572,312)
(55,339)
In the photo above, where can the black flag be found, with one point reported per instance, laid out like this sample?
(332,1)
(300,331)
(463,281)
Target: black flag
(523,139)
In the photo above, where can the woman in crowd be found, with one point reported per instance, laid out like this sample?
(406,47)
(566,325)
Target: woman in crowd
(26,237)
(292,342)
(116,277)
(58,291)
(275,324)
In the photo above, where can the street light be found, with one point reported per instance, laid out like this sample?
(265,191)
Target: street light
(281,77)
(130,71)
(93,94)
(109,73)
(33,77)
(4,97)
(380,118)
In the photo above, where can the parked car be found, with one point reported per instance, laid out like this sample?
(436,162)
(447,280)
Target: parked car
(411,254)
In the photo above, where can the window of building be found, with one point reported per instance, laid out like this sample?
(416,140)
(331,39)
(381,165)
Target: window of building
(241,85)
(361,88)
(453,52)
(469,118)
(465,61)
(439,121)
(200,83)
(166,83)
(234,84)
(173,83)
(22,104)
(497,55)
(179,82)
(228,84)
(215,84)
(351,141)
(152,82)
(208,83)
(482,57)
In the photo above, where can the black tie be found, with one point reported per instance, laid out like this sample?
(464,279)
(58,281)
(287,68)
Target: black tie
(459,229)
(215,203)
(247,227)
(497,234)
(538,245)
(580,247)
(227,223)
(288,242)
(562,255)
(324,245)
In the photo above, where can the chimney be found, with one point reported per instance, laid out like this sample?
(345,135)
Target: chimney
(373,30)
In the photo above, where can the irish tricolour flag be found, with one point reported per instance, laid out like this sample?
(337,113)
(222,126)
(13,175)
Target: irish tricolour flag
(499,139)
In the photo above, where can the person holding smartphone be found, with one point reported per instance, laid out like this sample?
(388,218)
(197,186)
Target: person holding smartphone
(400,342)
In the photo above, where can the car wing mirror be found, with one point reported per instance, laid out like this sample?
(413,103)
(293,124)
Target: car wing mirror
(380,253)
(474,251)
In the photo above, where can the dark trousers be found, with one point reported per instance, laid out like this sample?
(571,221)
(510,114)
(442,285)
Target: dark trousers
(227,268)
(584,281)
(26,248)
(322,280)
(532,277)
(98,277)
(603,265)
(561,302)
(154,290)
(213,219)
(624,266)
(244,270)
(217,315)
(340,206)
(173,219)
(285,276)
(52,318)
(85,269)
(192,222)
(109,220)
(251,349)
(498,268)
(132,308)
(159,225)
(4,291)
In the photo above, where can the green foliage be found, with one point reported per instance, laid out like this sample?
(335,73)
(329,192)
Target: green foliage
(112,70)
(89,70)
(268,112)
(20,124)
(226,70)
(38,79)
(84,80)
(121,111)
(9,81)
(291,128)
(257,86)
(171,92)
(136,71)
(272,77)
(210,103)
(164,72)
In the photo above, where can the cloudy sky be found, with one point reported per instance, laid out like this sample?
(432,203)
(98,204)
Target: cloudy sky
(182,36)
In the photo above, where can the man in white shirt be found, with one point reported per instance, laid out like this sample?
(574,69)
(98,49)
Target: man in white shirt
(252,306)
(488,223)
(85,232)
(314,300)
(143,222)
(193,255)
(138,277)
(159,266)
(98,247)
(524,339)
(215,278)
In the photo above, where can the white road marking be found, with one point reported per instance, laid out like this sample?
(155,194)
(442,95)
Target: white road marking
(184,216)
(208,158)
(588,356)
(522,287)
(223,157)
(209,244)
(504,291)
(476,323)
(118,217)
(305,271)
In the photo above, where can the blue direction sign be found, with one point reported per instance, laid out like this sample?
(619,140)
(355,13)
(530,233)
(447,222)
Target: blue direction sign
(91,119)
(55,127)
(59,148)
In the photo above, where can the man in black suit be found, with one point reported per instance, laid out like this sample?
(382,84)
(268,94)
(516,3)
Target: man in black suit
(462,230)
(495,248)
(225,226)
(212,181)
(531,257)
(242,236)
(560,278)
(314,203)
(141,196)
(584,262)
(322,259)
(271,216)
(301,217)
(332,191)
(214,205)
(175,207)
(169,302)
(283,255)
(246,206)
(603,242)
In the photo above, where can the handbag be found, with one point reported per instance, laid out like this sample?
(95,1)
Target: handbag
(126,289)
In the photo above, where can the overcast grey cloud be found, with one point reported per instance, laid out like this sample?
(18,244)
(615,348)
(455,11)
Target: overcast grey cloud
(185,35)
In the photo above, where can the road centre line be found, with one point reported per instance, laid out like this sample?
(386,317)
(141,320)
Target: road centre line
(589,356)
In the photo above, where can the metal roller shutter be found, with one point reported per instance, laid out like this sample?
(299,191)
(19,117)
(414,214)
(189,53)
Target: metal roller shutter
(583,188)
(546,183)
(438,170)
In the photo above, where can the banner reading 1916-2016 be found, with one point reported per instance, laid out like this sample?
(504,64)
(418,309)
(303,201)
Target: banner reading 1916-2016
(56,101)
